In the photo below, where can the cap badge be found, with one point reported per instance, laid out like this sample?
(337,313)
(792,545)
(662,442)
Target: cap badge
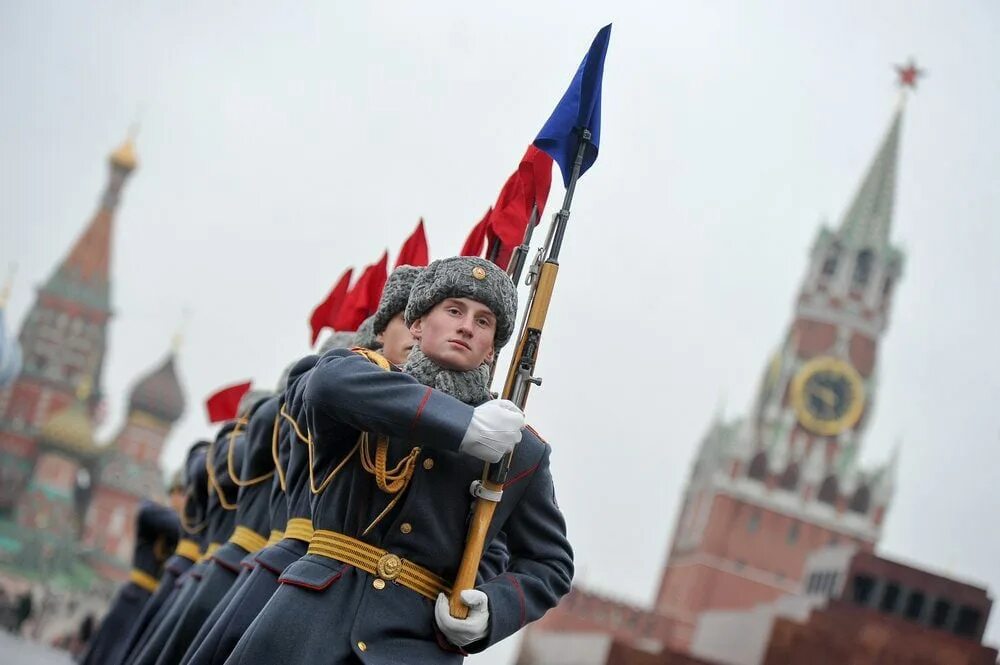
(479,273)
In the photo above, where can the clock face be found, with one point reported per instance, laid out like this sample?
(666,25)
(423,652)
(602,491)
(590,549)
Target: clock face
(828,396)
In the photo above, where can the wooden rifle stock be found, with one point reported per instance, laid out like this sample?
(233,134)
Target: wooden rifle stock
(519,377)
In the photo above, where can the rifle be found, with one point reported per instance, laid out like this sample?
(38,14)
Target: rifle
(520,376)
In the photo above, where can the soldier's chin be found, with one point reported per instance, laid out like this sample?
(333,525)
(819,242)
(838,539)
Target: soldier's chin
(450,358)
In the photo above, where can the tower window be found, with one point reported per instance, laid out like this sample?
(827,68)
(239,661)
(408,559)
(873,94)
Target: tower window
(758,467)
(793,533)
(860,501)
(830,265)
(862,589)
(754,522)
(939,616)
(967,624)
(863,267)
(790,478)
(890,597)
(828,491)
(914,605)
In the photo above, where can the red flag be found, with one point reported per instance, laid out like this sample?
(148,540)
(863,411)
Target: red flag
(362,301)
(474,243)
(326,312)
(414,251)
(525,188)
(224,403)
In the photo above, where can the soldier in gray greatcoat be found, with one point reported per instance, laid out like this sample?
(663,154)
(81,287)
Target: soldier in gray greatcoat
(250,519)
(156,537)
(220,522)
(193,523)
(387,330)
(389,532)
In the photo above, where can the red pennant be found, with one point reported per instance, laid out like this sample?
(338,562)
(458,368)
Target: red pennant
(527,187)
(414,251)
(362,301)
(326,312)
(224,403)
(474,243)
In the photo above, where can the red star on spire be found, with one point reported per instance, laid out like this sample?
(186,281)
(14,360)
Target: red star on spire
(908,74)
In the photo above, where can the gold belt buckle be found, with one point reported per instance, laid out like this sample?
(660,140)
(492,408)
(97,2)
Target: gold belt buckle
(389,566)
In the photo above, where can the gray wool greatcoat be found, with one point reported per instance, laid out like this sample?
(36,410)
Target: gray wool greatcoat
(220,527)
(326,612)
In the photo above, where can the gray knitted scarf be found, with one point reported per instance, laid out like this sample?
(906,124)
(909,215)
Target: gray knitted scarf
(471,387)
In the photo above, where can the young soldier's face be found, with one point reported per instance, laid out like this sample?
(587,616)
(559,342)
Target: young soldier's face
(457,333)
(396,340)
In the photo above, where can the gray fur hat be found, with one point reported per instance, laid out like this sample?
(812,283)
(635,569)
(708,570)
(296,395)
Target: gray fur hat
(394,297)
(365,336)
(466,277)
(337,340)
(250,400)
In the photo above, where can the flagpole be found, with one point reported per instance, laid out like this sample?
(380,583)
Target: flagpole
(489,490)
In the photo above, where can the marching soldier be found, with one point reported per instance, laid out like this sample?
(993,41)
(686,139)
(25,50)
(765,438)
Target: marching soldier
(220,523)
(193,522)
(386,329)
(156,537)
(389,533)
(249,520)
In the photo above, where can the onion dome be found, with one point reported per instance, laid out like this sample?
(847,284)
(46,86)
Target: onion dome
(124,156)
(71,428)
(159,393)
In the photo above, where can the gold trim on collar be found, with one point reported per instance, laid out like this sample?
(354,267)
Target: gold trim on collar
(143,580)
(275,537)
(188,549)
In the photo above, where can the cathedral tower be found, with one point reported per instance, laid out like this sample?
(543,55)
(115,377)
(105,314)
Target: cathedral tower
(63,339)
(129,470)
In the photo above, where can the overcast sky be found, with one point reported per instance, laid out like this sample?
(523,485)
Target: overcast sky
(280,144)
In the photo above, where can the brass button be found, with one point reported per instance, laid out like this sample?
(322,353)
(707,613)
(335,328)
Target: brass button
(428,464)
(379,584)
(362,646)
(406,527)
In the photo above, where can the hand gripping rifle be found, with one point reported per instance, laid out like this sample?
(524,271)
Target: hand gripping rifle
(541,278)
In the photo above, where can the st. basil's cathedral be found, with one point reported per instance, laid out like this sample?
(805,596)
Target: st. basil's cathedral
(67,501)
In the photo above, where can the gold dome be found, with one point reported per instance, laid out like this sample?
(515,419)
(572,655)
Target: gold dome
(124,157)
(71,428)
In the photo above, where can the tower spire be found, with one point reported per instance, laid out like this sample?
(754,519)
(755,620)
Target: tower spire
(869,218)
(84,275)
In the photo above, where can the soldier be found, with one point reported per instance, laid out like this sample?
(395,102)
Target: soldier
(390,532)
(251,518)
(220,522)
(386,328)
(193,523)
(156,537)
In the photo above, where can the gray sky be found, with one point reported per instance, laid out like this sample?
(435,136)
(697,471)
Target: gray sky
(280,144)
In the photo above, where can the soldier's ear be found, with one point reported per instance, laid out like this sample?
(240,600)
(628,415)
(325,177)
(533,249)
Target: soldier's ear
(489,356)
(380,338)
(417,328)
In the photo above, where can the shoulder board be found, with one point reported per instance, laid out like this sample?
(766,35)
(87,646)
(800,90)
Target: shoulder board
(535,432)
(373,357)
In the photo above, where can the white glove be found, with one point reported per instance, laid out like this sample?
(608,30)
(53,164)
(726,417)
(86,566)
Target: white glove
(494,431)
(462,632)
